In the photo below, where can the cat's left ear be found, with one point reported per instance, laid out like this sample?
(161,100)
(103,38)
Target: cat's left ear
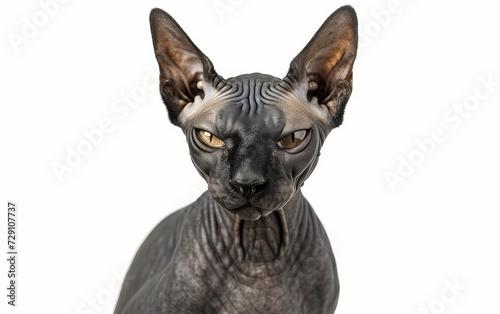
(324,66)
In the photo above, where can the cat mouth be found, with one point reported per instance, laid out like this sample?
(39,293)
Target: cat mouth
(249,212)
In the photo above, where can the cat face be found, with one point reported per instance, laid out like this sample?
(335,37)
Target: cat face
(255,138)
(254,142)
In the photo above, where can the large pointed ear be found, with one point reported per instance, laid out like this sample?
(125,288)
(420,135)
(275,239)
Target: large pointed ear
(324,66)
(182,65)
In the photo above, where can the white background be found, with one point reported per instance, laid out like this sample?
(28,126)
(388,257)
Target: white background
(398,249)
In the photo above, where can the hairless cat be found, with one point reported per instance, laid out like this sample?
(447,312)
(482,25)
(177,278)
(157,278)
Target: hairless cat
(251,243)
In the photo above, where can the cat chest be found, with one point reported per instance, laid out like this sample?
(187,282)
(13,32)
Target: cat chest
(204,287)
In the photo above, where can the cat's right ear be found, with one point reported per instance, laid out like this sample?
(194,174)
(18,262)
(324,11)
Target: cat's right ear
(183,67)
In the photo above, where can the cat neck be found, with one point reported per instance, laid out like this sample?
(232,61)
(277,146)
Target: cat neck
(267,240)
(263,240)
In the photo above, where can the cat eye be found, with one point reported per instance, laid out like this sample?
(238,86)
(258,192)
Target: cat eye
(292,140)
(209,139)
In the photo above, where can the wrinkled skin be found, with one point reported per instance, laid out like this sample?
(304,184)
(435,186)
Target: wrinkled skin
(251,243)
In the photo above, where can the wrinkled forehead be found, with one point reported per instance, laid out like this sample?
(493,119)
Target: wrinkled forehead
(245,116)
(251,105)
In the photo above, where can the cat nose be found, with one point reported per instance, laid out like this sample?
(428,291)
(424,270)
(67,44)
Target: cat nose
(248,187)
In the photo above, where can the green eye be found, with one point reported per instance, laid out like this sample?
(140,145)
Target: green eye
(292,140)
(210,139)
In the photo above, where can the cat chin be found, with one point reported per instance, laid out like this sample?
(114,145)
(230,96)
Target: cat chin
(250,212)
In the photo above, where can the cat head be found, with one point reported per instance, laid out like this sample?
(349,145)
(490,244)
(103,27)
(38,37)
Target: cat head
(256,138)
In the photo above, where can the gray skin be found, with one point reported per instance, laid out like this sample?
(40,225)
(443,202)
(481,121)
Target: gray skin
(251,243)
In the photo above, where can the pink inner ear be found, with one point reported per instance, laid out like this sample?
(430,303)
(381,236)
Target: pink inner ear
(333,61)
(180,61)
(330,54)
(326,62)
(183,66)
